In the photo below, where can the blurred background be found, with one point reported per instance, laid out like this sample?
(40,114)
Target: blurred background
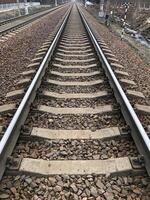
(14,8)
(132,15)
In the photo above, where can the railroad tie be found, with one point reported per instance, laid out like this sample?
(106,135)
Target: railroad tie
(82,111)
(74,83)
(75,95)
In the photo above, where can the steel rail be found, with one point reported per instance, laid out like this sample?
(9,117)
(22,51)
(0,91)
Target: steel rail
(13,19)
(21,24)
(11,135)
(23,16)
(138,133)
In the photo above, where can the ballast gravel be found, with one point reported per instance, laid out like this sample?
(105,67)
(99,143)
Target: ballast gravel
(76,70)
(77,89)
(93,121)
(79,187)
(90,78)
(76,149)
(16,53)
(72,103)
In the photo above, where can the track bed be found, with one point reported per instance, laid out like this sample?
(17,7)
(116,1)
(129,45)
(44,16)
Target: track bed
(75,135)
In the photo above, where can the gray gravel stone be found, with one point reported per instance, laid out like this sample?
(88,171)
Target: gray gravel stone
(76,187)
(145,181)
(65,177)
(99,198)
(108,196)
(52,181)
(104,156)
(75,197)
(57,188)
(60,183)
(79,192)
(28,180)
(137,191)
(50,120)
(73,186)
(93,191)
(96,157)
(87,191)
(63,153)
(99,184)
(4,196)
(87,183)
(115,187)
(13,190)
(101,191)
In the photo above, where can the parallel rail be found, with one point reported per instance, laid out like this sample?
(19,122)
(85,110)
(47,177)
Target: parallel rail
(138,133)
(20,17)
(12,27)
(12,19)
(12,133)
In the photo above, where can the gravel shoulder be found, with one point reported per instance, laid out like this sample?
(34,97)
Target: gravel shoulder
(17,52)
(137,68)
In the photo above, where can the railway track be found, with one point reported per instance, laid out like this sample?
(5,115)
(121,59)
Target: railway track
(10,26)
(18,17)
(73,117)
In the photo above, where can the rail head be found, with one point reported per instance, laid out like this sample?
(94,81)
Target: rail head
(138,133)
(11,135)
